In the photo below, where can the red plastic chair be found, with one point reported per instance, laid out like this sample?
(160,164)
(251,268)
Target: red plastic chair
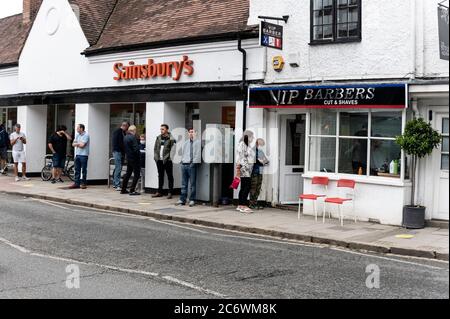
(318,181)
(348,186)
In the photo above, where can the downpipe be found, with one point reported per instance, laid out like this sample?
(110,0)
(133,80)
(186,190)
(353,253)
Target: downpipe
(244,87)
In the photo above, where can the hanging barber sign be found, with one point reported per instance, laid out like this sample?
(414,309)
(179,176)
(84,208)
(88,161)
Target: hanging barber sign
(271,35)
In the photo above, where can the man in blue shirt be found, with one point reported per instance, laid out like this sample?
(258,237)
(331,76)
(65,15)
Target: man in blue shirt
(191,158)
(81,144)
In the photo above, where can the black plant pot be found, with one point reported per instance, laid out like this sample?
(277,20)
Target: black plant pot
(414,217)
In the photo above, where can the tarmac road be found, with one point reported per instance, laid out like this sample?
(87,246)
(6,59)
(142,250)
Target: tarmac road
(122,256)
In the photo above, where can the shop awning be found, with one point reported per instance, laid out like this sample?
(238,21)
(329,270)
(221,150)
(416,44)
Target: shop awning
(364,96)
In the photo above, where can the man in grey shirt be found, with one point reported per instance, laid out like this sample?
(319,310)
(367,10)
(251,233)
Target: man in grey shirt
(191,158)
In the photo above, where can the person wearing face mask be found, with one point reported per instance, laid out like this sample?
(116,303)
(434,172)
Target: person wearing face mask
(245,159)
(257,174)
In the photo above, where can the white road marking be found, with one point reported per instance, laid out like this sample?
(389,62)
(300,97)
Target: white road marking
(177,224)
(51,203)
(19,248)
(390,259)
(280,241)
(166,278)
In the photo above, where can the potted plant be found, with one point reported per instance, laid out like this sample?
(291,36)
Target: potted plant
(419,140)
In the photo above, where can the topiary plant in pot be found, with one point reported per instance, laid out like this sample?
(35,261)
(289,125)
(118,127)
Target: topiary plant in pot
(419,140)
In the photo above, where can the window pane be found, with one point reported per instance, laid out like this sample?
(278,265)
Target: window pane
(445,125)
(317,18)
(445,144)
(444,165)
(386,124)
(354,124)
(353,14)
(353,29)
(322,154)
(342,2)
(327,32)
(342,15)
(353,156)
(317,4)
(328,4)
(295,142)
(318,33)
(328,16)
(343,30)
(323,122)
(381,156)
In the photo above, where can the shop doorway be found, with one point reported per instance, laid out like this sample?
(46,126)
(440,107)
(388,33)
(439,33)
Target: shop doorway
(441,169)
(292,159)
(8,116)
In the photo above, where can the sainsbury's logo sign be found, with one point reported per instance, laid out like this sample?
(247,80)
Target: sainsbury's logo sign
(174,70)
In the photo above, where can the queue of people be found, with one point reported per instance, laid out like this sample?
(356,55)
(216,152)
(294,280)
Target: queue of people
(126,144)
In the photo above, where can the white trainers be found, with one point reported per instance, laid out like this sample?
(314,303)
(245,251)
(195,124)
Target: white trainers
(25,178)
(17,179)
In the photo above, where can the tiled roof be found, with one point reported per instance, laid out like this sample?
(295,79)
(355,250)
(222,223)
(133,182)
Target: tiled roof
(13,34)
(120,23)
(152,21)
(93,16)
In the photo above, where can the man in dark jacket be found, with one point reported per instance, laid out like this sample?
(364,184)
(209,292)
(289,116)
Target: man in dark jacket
(164,145)
(4,144)
(132,152)
(118,152)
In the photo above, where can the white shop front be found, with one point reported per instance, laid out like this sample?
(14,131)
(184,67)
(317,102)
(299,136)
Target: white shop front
(342,131)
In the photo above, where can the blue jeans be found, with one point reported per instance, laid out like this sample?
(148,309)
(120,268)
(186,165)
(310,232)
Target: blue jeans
(117,168)
(189,178)
(81,163)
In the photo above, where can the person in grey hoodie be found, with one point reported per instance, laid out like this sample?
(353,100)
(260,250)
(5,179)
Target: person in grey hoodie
(164,145)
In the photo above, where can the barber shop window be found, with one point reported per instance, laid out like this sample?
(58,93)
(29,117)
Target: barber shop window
(335,21)
(356,142)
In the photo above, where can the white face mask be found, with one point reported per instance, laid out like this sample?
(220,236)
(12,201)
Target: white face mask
(143,142)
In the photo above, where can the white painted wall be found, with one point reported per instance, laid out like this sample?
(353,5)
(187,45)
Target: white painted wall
(96,119)
(33,121)
(159,113)
(51,58)
(388,211)
(398,37)
(9,81)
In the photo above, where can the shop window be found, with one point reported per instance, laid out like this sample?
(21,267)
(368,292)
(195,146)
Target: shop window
(322,154)
(353,156)
(445,146)
(364,144)
(334,21)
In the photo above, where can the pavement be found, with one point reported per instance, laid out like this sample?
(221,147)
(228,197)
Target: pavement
(44,246)
(431,242)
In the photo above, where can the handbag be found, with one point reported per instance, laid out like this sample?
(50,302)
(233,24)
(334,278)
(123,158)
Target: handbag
(235,183)
(237,180)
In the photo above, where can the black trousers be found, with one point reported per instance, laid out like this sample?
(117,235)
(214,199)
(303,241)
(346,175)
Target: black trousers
(167,168)
(246,185)
(134,168)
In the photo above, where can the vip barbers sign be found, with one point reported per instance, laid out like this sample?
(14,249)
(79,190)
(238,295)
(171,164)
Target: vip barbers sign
(443,32)
(390,96)
(271,35)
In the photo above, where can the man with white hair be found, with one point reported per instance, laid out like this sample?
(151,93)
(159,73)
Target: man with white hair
(133,154)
